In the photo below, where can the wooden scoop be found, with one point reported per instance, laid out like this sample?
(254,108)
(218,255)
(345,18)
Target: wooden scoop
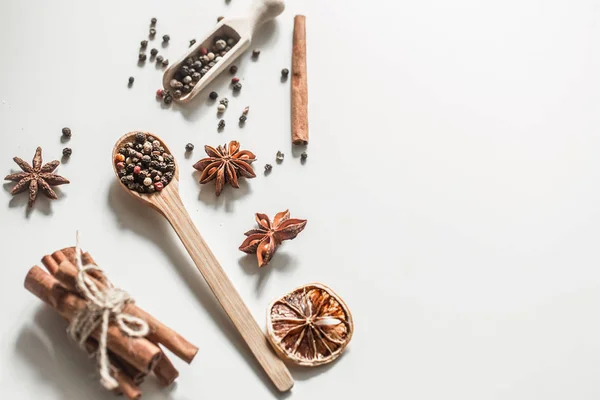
(168,203)
(239,28)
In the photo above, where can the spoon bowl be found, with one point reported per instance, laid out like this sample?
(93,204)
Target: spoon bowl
(168,203)
(241,29)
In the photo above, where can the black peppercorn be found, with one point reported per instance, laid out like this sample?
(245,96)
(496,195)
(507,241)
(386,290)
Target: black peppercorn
(165,62)
(170,167)
(128,145)
(233,69)
(237,86)
(154,164)
(142,57)
(124,180)
(192,42)
(152,32)
(67,152)
(221,124)
(255,53)
(243,119)
(186,88)
(144,44)
(167,100)
(168,175)
(268,167)
(177,94)
(140,137)
(123,151)
(131,79)
(285,72)
(166,38)
(213,95)
(189,147)
(153,21)
(159,59)
(153,52)
(66,132)
(303,156)
(146,159)
(130,168)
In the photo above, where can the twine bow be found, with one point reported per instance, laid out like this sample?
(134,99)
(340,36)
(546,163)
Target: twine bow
(103,305)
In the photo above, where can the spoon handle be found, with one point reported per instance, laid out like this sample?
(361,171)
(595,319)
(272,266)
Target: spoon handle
(173,209)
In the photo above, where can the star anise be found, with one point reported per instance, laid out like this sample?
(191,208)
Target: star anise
(35,177)
(264,240)
(226,164)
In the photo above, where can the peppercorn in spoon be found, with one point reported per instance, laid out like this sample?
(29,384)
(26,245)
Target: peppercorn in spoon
(205,59)
(156,184)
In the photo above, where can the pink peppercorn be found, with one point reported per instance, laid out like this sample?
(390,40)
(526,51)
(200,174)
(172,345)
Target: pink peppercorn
(203,51)
(158,186)
(160,93)
(235,80)
(120,166)
(137,169)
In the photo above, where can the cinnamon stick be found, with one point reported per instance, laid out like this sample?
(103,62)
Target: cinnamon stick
(139,352)
(159,332)
(165,371)
(299,83)
(128,385)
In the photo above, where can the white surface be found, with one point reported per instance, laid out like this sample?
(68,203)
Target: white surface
(451,193)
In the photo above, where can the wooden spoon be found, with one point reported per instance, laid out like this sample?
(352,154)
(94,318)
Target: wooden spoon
(168,203)
(239,28)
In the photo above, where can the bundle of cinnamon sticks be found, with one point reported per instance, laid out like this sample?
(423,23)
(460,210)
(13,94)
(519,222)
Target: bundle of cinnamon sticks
(131,358)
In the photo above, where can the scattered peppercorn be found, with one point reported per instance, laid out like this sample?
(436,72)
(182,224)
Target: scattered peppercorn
(303,156)
(243,119)
(224,101)
(192,42)
(142,57)
(153,52)
(219,19)
(189,147)
(245,112)
(153,21)
(280,156)
(131,79)
(165,62)
(285,72)
(268,167)
(233,69)
(221,108)
(221,124)
(159,59)
(67,152)
(213,95)
(66,132)
(255,53)
(144,44)
(235,80)
(119,158)
(168,100)
(152,32)
(166,38)
(140,137)
(237,87)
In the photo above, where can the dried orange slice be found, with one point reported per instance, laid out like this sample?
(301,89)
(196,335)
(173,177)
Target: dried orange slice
(309,326)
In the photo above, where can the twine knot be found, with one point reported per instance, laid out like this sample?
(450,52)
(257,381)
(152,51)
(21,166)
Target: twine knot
(103,306)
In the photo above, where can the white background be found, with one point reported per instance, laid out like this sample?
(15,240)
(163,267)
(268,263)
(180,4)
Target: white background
(451,191)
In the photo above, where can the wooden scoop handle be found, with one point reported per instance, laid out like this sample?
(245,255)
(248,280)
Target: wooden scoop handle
(171,206)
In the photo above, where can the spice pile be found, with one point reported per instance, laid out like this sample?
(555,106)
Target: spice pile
(198,65)
(144,166)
